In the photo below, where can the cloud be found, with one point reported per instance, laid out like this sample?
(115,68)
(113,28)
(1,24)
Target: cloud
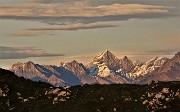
(28,34)
(25,34)
(76,26)
(23,52)
(82,12)
(55,1)
(169,51)
(54,10)
(147,52)
(48,1)
(149,2)
(108,2)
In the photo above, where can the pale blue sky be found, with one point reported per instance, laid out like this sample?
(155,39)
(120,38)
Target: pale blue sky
(147,33)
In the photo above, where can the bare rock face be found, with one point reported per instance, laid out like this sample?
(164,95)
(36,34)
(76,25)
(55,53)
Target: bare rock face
(54,80)
(127,64)
(28,70)
(54,75)
(109,67)
(77,68)
(171,64)
(106,68)
(169,71)
(80,71)
(147,68)
(68,74)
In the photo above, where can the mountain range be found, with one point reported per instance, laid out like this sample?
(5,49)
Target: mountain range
(106,68)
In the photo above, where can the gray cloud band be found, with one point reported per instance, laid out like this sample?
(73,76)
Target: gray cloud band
(23,52)
(58,14)
(65,20)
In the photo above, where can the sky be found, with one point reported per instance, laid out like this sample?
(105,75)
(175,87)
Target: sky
(54,31)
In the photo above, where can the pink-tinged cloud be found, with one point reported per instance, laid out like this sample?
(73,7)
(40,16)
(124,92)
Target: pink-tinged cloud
(25,34)
(83,10)
(76,26)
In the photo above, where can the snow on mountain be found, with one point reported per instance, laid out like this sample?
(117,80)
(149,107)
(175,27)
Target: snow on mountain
(109,67)
(106,68)
(100,70)
(104,64)
(137,63)
(108,59)
(169,71)
(104,71)
(148,67)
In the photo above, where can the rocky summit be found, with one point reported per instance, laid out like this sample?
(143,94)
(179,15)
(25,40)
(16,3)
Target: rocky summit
(105,68)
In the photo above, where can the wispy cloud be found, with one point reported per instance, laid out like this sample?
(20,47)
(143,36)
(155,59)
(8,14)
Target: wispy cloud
(52,10)
(76,26)
(25,33)
(81,12)
(149,52)
(169,51)
(24,52)
(55,1)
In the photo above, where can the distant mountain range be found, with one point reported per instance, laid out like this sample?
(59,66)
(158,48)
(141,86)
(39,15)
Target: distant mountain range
(106,68)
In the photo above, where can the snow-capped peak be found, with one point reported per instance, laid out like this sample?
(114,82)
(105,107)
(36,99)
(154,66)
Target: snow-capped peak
(156,62)
(106,68)
(108,59)
(105,55)
(149,66)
